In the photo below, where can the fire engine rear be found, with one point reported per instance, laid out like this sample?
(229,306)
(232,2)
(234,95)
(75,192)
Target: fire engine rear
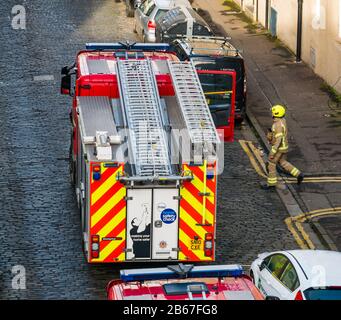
(143,155)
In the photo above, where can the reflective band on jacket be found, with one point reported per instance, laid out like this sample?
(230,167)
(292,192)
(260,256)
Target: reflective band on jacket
(279,135)
(295,172)
(272,181)
(284,146)
(273,150)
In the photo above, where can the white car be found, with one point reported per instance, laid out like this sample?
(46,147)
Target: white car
(298,275)
(148,12)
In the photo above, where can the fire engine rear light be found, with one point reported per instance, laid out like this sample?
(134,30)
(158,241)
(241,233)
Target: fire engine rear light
(95,238)
(208,244)
(208,252)
(210,171)
(95,246)
(95,254)
(208,236)
(96,168)
(96,172)
(151,25)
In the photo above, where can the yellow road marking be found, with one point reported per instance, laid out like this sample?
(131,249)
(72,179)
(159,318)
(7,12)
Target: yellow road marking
(252,159)
(288,222)
(299,220)
(259,165)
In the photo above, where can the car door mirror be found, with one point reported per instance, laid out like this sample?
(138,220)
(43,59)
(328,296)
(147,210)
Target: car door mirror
(262,265)
(65,70)
(65,87)
(272,298)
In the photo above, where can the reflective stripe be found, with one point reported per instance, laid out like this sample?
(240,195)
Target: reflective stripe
(295,172)
(273,150)
(279,135)
(272,181)
(284,146)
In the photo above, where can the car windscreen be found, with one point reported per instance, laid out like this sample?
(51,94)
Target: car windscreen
(221,64)
(160,13)
(323,294)
(217,88)
(181,288)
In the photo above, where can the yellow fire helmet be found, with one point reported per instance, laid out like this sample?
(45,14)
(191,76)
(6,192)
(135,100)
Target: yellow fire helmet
(278,111)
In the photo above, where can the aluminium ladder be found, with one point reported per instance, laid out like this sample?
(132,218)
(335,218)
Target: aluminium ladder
(192,101)
(142,109)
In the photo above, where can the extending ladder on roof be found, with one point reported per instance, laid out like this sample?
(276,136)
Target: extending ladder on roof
(141,103)
(191,99)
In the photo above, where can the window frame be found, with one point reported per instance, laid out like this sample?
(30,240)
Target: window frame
(150,9)
(284,267)
(297,278)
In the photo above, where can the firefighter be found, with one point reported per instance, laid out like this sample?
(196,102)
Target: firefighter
(278,139)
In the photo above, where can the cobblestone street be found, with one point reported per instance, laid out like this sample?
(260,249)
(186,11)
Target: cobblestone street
(40,221)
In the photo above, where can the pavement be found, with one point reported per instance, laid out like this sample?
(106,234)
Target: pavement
(40,222)
(314,122)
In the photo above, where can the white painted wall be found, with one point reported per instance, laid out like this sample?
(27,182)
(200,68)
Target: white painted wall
(321,33)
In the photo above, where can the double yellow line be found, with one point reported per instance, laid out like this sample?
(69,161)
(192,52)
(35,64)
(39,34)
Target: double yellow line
(259,165)
(255,157)
(295,226)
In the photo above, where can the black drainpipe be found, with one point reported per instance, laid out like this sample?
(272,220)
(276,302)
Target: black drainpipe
(299,31)
(267,14)
(257,10)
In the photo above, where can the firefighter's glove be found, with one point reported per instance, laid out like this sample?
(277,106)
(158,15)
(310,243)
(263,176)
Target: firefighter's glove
(271,157)
(269,136)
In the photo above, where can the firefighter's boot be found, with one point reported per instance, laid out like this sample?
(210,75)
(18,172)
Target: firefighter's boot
(265,186)
(300,178)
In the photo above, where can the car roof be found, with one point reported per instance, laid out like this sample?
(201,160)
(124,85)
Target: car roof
(168,4)
(208,46)
(316,263)
(227,288)
(180,15)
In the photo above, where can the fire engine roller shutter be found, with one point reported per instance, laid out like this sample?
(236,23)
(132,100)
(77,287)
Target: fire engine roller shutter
(108,214)
(191,213)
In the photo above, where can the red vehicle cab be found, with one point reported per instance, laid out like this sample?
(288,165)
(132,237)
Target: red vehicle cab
(184,282)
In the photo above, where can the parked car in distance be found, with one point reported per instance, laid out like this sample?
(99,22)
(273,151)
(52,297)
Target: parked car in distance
(184,282)
(148,12)
(299,274)
(216,53)
(131,5)
(181,21)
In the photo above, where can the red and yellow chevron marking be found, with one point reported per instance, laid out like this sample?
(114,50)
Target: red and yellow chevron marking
(108,214)
(197,216)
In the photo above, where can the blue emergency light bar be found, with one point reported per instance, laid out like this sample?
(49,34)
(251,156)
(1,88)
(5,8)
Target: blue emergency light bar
(194,272)
(129,46)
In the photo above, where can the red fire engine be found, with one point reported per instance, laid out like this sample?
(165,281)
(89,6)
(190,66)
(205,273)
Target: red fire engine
(184,282)
(136,108)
